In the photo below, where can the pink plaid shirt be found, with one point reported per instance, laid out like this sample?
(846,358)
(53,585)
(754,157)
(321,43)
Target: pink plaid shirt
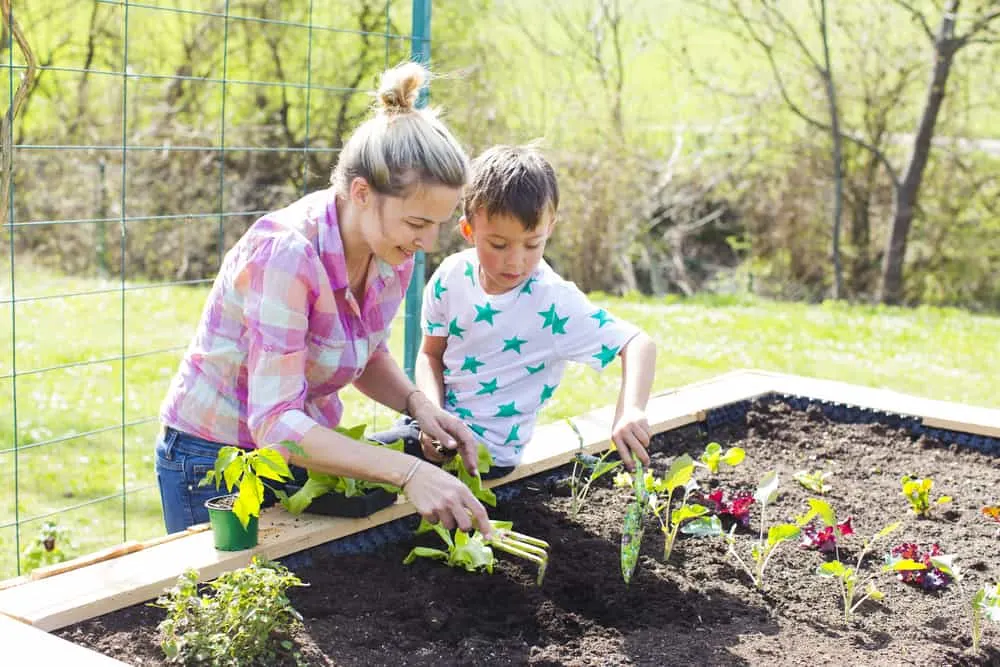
(281,332)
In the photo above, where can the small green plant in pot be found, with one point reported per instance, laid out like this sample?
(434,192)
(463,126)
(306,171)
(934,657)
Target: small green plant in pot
(234,516)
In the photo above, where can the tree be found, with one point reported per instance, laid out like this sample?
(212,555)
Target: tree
(946,43)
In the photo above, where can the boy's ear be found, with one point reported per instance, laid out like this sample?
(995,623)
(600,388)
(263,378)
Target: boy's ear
(360,191)
(465,227)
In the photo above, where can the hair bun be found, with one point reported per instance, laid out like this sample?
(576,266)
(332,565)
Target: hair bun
(400,86)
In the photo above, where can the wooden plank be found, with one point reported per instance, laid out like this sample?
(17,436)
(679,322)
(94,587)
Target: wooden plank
(27,644)
(101,587)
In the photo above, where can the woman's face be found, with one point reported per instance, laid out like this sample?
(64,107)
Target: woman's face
(399,226)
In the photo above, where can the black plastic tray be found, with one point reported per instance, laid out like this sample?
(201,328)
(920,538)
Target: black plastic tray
(337,504)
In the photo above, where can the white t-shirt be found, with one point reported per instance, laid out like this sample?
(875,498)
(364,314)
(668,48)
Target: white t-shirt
(506,353)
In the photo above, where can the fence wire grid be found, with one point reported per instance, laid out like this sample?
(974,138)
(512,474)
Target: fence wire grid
(140,140)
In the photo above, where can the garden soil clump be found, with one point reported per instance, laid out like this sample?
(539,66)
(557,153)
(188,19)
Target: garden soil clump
(698,609)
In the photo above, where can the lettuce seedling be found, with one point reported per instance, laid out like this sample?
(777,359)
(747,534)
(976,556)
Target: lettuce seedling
(918,492)
(737,506)
(473,552)
(851,582)
(456,466)
(680,476)
(813,481)
(930,578)
(714,455)
(593,467)
(763,549)
(824,539)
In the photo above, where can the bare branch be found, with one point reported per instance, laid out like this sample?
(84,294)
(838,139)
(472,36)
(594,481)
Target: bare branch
(918,15)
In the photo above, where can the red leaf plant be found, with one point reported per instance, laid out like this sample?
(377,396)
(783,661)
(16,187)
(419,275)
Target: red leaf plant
(825,539)
(736,505)
(930,579)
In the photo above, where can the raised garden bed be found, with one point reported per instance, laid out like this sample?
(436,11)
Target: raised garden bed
(695,609)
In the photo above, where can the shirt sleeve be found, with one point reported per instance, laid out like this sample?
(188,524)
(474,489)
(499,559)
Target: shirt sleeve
(592,335)
(434,308)
(278,286)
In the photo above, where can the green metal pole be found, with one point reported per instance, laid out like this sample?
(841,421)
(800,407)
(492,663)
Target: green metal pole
(420,51)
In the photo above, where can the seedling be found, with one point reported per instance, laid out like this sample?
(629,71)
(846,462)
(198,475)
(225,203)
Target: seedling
(456,467)
(918,492)
(851,583)
(247,470)
(247,619)
(823,539)
(985,604)
(736,506)
(714,455)
(678,477)
(473,552)
(930,578)
(633,524)
(813,481)
(587,469)
(318,484)
(763,549)
(50,546)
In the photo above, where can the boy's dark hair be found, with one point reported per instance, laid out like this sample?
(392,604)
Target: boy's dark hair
(514,180)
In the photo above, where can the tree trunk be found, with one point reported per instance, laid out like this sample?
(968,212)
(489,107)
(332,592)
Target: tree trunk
(945,47)
(838,172)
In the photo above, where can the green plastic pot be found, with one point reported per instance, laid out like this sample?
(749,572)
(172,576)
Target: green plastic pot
(229,533)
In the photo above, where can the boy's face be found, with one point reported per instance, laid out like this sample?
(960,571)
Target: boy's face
(508,253)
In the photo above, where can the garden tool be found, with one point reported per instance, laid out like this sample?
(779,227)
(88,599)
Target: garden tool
(632,527)
(520,545)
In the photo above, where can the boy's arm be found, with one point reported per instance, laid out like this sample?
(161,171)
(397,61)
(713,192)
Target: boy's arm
(429,368)
(631,433)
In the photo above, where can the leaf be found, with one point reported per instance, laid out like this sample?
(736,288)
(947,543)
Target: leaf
(886,530)
(904,565)
(270,464)
(946,563)
(471,552)
(824,510)
(685,512)
(874,593)
(705,526)
(782,532)
(734,456)
(632,531)
(680,472)
(942,500)
(356,432)
(833,568)
(234,472)
(424,552)
(310,491)
(767,489)
(293,447)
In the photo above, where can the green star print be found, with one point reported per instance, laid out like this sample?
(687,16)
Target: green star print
(526,289)
(547,392)
(439,289)
(485,313)
(553,320)
(507,410)
(470,272)
(454,329)
(451,398)
(488,387)
(606,355)
(535,369)
(472,364)
(463,413)
(602,318)
(477,429)
(431,326)
(514,343)
(513,436)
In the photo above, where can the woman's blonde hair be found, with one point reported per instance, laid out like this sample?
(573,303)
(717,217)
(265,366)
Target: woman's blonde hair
(401,147)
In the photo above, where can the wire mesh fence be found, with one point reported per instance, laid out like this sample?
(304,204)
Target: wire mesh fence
(141,139)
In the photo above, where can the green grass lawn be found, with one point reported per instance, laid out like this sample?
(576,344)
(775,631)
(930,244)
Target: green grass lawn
(943,354)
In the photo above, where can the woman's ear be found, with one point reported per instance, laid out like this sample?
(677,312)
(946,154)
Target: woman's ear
(360,192)
(465,227)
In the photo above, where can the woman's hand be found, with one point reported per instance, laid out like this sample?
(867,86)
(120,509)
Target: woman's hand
(631,435)
(439,496)
(447,429)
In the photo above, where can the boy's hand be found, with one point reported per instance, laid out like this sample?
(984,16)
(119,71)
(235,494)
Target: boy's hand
(631,436)
(434,450)
(447,429)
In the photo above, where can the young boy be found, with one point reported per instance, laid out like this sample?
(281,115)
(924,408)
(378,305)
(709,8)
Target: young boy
(499,324)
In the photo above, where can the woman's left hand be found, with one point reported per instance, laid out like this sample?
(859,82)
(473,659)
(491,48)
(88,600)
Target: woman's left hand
(447,429)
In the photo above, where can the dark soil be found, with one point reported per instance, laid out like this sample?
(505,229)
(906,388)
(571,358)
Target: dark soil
(698,609)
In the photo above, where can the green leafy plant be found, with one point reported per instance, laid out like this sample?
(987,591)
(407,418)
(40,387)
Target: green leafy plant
(814,481)
(587,469)
(633,524)
(51,545)
(246,619)
(455,466)
(473,552)
(764,548)
(246,471)
(852,582)
(985,602)
(318,484)
(714,455)
(679,476)
(918,492)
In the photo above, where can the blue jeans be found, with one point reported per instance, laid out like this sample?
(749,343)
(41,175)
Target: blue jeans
(181,462)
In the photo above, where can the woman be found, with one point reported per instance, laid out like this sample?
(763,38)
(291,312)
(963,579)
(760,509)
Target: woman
(301,307)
